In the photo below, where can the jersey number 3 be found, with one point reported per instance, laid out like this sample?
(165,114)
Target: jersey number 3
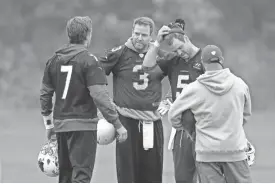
(142,77)
(68,70)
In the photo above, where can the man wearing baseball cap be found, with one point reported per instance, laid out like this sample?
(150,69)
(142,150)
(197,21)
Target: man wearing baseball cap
(221,104)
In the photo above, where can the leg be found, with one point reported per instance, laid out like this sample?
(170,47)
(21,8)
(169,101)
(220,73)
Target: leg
(237,172)
(126,153)
(151,161)
(82,146)
(210,172)
(65,167)
(184,161)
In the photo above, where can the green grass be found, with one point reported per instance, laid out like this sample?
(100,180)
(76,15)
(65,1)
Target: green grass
(22,135)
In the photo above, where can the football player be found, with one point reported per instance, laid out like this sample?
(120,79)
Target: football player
(140,158)
(180,71)
(221,105)
(79,84)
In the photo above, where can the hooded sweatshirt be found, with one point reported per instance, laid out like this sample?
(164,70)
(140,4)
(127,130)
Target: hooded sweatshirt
(221,104)
(79,111)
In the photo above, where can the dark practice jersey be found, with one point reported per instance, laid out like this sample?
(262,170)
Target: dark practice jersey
(68,73)
(179,71)
(132,87)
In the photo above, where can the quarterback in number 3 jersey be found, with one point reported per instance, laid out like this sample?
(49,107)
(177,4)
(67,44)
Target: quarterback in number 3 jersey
(136,92)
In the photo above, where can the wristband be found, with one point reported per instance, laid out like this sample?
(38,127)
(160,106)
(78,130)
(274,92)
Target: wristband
(48,121)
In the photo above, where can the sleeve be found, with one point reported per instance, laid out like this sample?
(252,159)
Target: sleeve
(94,73)
(186,100)
(103,102)
(46,92)
(111,58)
(247,106)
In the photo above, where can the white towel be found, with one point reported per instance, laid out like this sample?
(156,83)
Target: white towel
(148,134)
(171,140)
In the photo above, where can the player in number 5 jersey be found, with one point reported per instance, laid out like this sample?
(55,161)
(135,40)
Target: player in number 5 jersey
(139,159)
(79,84)
(181,72)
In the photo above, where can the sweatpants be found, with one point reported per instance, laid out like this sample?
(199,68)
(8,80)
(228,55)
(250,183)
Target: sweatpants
(76,155)
(184,158)
(224,172)
(133,163)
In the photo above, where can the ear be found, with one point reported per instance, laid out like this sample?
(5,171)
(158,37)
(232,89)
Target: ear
(132,32)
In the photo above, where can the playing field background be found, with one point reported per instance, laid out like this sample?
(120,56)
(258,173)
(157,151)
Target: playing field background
(31,30)
(22,135)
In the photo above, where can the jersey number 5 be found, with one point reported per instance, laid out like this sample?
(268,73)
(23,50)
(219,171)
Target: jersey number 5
(182,83)
(143,78)
(68,70)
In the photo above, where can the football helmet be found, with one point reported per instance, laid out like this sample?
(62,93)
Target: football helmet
(48,159)
(106,132)
(250,152)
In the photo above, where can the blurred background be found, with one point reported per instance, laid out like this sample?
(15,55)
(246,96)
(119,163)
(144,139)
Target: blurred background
(31,30)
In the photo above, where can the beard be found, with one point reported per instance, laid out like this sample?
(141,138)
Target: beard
(139,45)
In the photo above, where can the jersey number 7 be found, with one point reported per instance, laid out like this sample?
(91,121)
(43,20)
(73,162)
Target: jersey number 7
(68,69)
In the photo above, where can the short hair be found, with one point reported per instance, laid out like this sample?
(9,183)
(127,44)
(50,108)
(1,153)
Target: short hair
(78,28)
(145,21)
(176,33)
(178,22)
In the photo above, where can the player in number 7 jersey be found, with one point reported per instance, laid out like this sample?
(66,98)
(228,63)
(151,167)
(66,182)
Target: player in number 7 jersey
(180,72)
(79,84)
(139,159)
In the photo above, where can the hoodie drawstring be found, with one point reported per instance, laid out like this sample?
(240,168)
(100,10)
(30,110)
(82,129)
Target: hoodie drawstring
(181,136)
(139,123)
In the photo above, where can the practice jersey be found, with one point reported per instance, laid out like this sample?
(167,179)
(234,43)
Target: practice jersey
(133,88)
(68,73)
(179,71)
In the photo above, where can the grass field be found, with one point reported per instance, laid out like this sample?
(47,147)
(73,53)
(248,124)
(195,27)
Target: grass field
(22,135)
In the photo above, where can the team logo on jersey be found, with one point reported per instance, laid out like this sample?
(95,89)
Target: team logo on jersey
(197,66)
(116,48)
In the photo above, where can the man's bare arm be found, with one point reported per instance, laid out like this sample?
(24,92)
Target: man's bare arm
(150,59)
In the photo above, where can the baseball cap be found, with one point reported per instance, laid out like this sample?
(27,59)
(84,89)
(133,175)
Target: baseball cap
(212,54)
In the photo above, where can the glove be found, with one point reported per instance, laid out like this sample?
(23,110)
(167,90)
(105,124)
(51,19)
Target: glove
(250,152)
(164,107)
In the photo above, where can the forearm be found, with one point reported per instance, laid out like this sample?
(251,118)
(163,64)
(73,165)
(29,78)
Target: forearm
(168,95)
(247,108)
(46,94)
(103,102)
(150,59)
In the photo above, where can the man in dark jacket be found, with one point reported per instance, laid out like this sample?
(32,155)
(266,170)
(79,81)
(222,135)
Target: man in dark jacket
(79,84)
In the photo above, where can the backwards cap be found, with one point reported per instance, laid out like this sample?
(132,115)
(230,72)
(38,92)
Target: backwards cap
(212,54)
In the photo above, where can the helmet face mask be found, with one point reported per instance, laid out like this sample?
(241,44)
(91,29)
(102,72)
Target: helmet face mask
(48,159)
